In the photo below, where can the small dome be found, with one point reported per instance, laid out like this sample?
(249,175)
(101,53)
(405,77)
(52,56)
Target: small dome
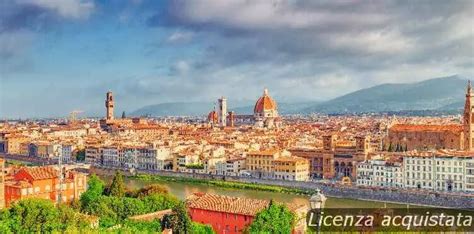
(265,103)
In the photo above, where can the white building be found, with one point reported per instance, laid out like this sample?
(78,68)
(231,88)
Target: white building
(110,157)
(379,173)
(438,172)
(66,152)
(153,158)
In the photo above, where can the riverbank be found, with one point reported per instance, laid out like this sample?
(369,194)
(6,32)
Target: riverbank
(419,198)
(223,184)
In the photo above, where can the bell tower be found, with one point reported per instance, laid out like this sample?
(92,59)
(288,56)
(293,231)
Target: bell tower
(468,124)
(222,112)
(109,105)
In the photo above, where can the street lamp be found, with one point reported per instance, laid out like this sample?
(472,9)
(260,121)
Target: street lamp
(317,202)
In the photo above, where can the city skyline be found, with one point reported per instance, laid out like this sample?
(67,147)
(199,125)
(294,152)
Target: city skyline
(70,52)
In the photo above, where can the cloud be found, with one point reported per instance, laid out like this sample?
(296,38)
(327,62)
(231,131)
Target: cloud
(23,21)
(74,9)
(179,37)
(362,38)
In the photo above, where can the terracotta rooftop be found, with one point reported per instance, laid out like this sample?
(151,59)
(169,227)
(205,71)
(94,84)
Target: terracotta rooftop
(234,205)
(291,159)
(263,152)
(41,173)
(264,103)
(426,128)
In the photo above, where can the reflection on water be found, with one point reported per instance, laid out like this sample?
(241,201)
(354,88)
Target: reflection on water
(182,190)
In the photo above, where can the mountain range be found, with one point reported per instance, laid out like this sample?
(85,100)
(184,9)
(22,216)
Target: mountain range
(438,94)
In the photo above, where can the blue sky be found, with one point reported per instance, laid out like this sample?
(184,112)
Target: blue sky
(59,56)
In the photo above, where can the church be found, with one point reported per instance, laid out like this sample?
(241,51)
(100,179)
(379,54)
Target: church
(427,137)
(265,114)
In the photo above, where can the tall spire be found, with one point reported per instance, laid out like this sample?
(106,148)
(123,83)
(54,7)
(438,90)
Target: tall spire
(469,87)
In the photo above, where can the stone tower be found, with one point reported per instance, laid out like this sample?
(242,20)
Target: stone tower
(222,111)
(109,105)
(329,142)
(468,124)
(363,144)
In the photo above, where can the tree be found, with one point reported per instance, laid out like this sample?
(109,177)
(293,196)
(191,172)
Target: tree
(390,147)
(34,216)
(150,190)
(117,188)
(95,188)
(179,221)
(201,228)
(275,219)
(123,115)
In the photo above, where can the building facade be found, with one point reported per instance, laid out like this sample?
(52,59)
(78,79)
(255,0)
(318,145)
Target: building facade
(44,182)
(380,173)
(426,137)
(439,172)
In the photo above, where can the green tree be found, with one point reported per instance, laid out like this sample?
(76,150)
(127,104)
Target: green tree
(198,228)
(275,219)
(123,115)
(158,202)
(95,188)
(117,188)
(34,216)
(179,221)
(390,147)
(150,190)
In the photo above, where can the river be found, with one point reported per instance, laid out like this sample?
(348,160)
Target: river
(182,190)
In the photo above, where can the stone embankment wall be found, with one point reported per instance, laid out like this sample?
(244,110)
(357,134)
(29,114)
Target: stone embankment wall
(448,200)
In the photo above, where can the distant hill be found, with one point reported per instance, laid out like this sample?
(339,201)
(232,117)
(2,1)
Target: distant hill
(175,109)
(431,94)
(444,94)
(453,106)
(203,108)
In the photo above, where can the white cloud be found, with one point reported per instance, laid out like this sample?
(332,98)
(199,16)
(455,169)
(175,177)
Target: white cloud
(179,37)
(74,9)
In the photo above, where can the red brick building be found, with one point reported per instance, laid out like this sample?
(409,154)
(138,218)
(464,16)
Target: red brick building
(43,182)
(231,214)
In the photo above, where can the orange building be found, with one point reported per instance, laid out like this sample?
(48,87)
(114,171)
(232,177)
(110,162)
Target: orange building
(44,182)
(420,137)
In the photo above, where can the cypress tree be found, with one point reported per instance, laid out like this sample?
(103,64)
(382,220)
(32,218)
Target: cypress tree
(117,188)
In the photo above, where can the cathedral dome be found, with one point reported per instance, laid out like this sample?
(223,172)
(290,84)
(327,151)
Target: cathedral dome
(265,103)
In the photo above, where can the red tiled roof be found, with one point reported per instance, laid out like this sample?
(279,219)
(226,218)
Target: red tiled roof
(264,103)
(233,205)
(41,173)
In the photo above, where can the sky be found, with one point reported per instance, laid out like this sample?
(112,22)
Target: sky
(57,56)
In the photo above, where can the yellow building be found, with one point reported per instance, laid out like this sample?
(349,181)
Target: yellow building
(13,143)
(260,163)
(291,168)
